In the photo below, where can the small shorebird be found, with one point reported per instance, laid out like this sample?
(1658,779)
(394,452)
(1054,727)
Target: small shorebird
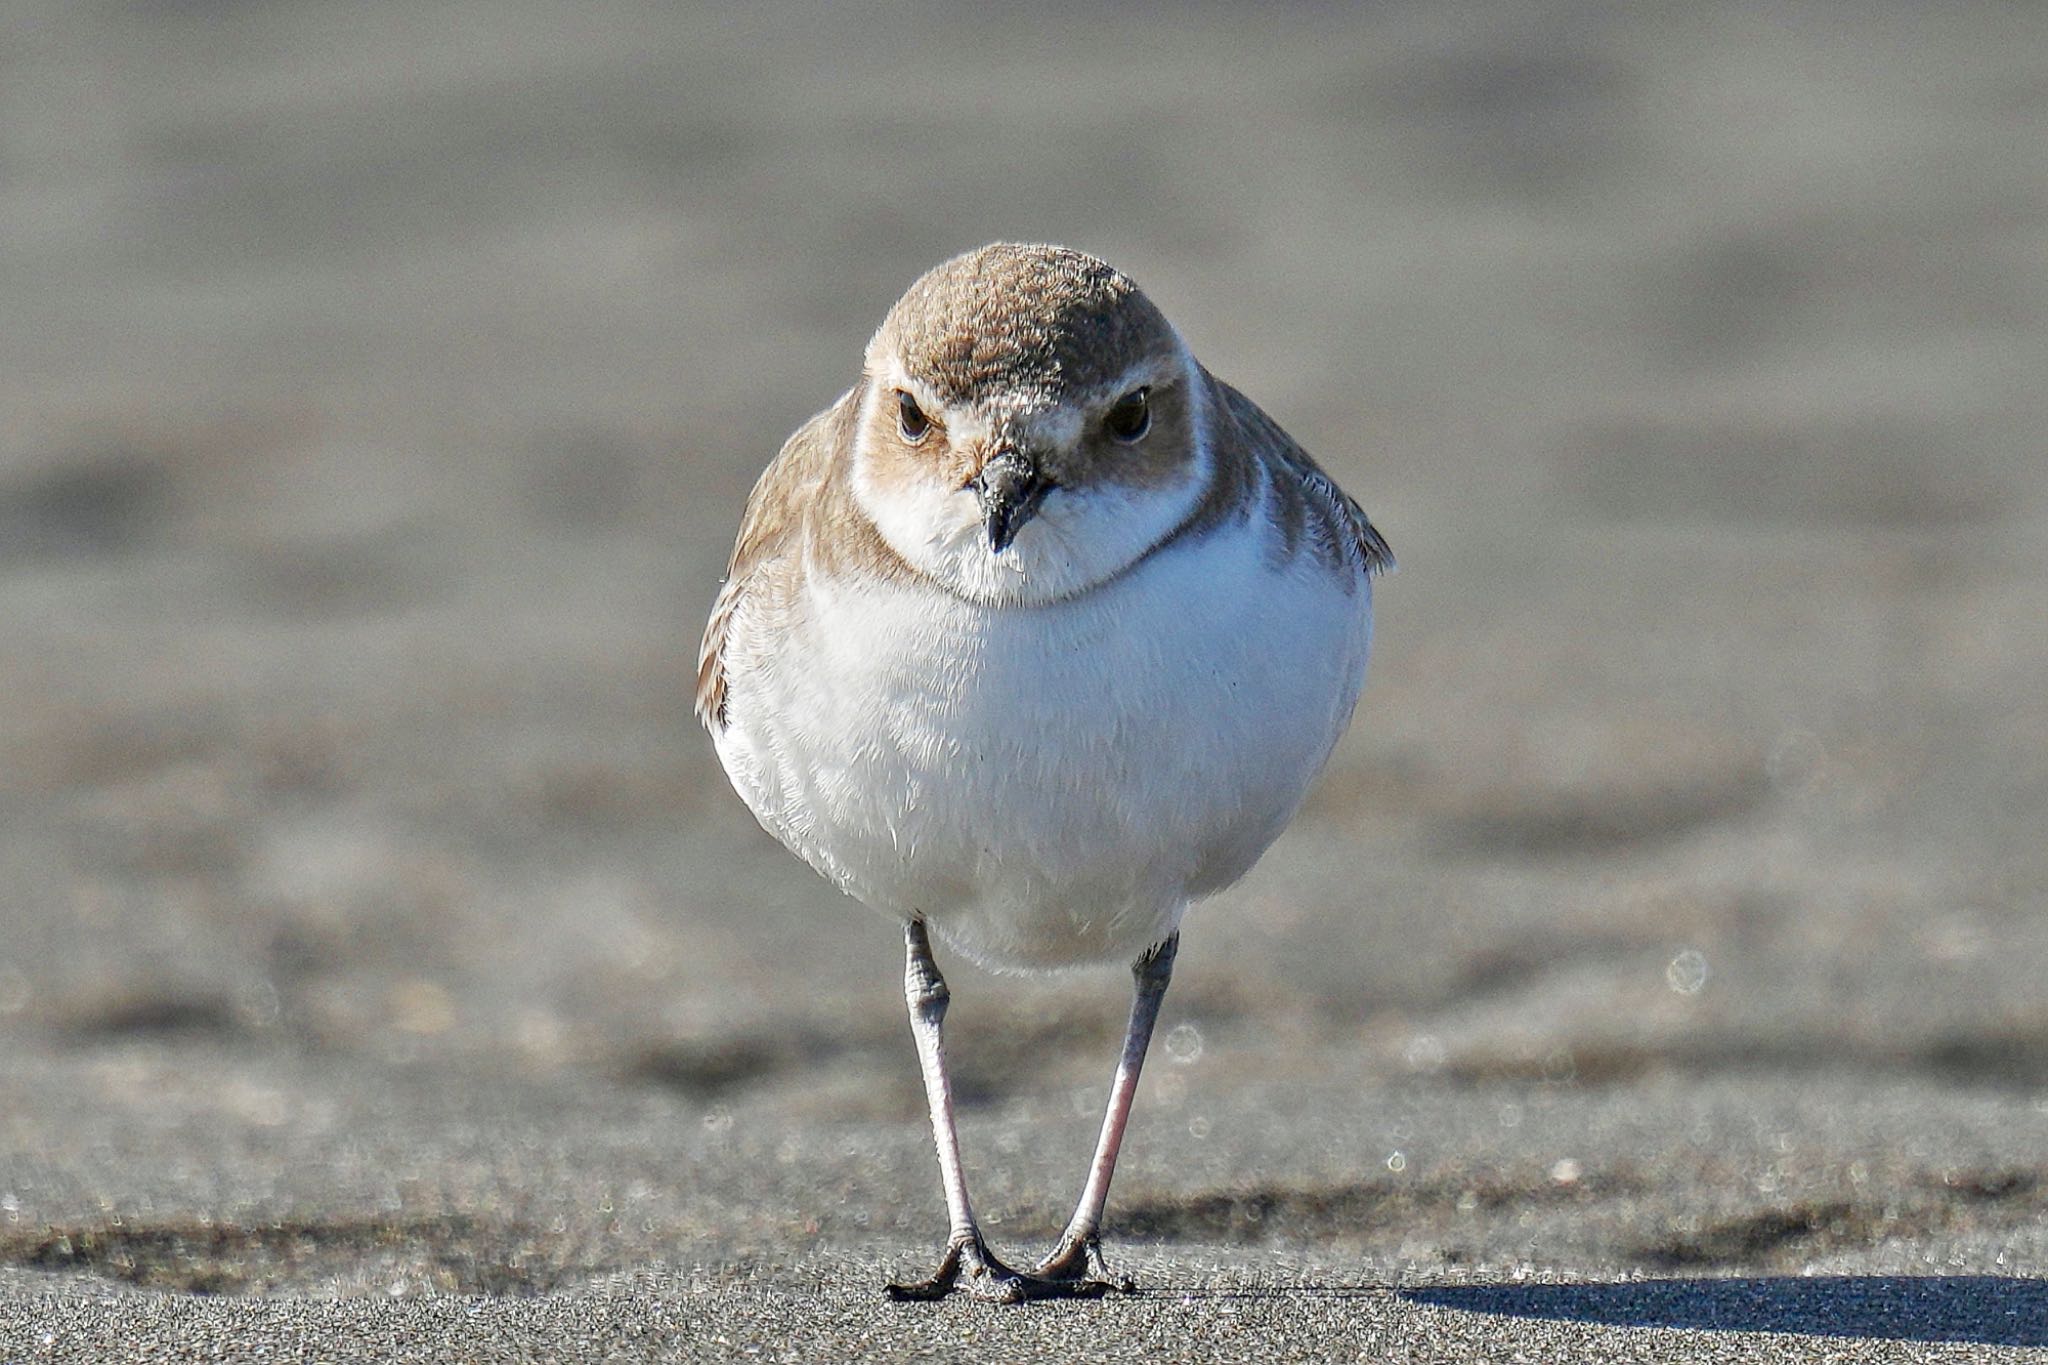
(1036,636)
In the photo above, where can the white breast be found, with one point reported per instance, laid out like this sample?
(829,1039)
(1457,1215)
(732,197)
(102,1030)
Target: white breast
(1049,785)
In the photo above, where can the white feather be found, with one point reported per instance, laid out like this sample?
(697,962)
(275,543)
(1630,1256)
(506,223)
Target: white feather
(1078,539)
(1049,785)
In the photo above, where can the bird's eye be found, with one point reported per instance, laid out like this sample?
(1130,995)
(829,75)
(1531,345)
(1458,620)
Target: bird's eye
(910,418)
(1131,417)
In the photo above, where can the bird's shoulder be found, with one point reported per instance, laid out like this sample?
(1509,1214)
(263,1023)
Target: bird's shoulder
(801,515)
(1256,462)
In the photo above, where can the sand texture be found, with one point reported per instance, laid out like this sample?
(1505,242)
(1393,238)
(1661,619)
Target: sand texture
(387,971)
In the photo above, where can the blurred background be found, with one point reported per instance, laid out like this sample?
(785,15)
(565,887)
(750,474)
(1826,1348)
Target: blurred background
(380,387)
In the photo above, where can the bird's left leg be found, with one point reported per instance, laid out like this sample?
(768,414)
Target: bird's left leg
(1079,1253)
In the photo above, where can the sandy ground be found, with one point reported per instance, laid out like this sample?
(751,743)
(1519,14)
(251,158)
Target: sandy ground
(386,971)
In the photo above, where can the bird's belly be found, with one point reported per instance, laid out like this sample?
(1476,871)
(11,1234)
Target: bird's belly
(1052,785)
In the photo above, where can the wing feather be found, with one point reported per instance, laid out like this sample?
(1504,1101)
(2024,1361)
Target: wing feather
(797,482)
(1309,504)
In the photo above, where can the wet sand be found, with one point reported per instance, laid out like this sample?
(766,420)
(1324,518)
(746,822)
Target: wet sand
(387,972)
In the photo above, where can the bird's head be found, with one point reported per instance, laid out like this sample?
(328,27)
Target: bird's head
(1029,425)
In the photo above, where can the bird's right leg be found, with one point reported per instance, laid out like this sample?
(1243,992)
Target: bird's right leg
(967,1265)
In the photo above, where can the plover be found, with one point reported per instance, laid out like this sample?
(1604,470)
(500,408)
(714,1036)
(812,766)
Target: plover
(1037,635)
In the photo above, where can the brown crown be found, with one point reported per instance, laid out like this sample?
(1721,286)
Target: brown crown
(1044,320)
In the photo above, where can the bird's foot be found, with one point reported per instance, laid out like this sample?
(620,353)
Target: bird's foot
(970,1268)
(1078,1260)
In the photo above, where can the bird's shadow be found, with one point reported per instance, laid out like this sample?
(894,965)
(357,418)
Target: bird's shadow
(1991,1310)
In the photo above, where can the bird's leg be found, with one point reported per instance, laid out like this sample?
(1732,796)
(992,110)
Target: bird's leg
(968,1264)
(1078,1257)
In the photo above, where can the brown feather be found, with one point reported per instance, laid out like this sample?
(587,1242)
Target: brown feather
(1010,319)
(1305,506)
(801,508)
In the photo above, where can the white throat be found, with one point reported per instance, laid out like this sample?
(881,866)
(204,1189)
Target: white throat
(1080,538)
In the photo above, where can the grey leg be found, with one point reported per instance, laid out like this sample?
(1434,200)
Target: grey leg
(1079,1253)
(968,1264)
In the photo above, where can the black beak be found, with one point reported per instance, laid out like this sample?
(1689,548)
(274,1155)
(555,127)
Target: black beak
(1010,489)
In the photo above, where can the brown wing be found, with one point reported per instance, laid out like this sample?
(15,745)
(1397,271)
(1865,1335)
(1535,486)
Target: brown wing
(1307,503)
(796,483)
